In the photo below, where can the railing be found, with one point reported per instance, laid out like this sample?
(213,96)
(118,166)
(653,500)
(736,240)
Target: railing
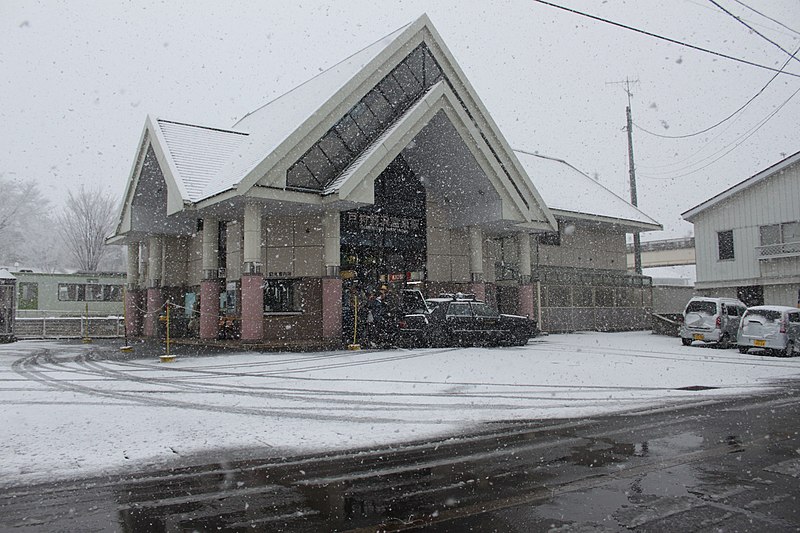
(784,249)
(68,327)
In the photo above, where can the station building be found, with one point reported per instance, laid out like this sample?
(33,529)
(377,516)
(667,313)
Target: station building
(384,169)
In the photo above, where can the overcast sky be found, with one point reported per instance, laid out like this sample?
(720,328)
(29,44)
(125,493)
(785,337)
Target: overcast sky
(78,78)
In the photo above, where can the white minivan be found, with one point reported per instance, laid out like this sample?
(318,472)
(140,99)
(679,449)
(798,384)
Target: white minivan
(709,319)
(773,327)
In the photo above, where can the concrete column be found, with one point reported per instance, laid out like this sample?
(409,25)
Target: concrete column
(155,298)
(144,268)
(210,247)
(524,241)
(525,299)
(477,285)
(252,276)
(332,253)
(210,284)
(133,314)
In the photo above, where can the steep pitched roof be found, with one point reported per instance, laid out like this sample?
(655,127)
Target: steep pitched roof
(741,186)
(570,192)
(198,153)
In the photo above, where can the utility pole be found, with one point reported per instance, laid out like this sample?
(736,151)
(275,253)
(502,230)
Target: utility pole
(637,244)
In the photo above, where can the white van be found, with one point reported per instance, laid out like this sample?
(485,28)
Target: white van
(711,320)
(773,327)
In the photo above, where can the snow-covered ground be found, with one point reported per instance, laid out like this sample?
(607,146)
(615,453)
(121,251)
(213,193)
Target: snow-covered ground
(67,413)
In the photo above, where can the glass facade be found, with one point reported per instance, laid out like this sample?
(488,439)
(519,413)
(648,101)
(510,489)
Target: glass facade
(365,122)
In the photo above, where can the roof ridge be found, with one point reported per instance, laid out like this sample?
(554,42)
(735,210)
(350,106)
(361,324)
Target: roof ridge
(296,87)
(224,130)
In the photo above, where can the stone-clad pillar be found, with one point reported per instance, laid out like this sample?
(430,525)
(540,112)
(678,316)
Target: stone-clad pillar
(477,285)
(252,275)
(155,299)
(210,284)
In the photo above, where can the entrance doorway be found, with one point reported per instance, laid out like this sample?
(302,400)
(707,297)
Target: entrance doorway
(385,243)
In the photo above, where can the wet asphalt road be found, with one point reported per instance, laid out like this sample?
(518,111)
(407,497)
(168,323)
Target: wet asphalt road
(714,465)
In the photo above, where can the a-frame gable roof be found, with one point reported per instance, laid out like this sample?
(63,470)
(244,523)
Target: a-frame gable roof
(765,174)
(281,131)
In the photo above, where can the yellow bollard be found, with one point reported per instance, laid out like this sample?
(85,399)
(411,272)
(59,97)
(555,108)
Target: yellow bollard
(355,345)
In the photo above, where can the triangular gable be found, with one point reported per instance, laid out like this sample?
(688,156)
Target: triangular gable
(271,170)
(177,193)
(356,183)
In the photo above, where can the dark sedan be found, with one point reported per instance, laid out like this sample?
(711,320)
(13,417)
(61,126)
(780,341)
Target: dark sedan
(463,321)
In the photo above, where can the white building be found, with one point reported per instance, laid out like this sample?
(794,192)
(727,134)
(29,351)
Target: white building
(747,238)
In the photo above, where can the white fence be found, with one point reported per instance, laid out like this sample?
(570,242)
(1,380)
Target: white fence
(69,327)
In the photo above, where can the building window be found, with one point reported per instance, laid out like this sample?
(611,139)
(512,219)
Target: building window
(551,238)
(365,121)
(725,245)
(28,296)
(280,296)
(770,234)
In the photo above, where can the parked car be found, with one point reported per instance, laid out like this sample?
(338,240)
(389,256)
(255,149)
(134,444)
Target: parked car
(773,327)
(462,320)
(714,320)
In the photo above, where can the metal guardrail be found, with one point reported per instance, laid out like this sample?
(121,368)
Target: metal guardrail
(69,327)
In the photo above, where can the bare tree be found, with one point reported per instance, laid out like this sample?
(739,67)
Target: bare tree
(25,226)
(84,223)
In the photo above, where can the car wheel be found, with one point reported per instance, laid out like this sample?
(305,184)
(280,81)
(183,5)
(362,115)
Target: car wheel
(743,349)
(789,350)
(686,342)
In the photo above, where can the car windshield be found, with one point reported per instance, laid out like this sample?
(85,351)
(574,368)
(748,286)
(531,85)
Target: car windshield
(769,314)
(483,310)
(708,308)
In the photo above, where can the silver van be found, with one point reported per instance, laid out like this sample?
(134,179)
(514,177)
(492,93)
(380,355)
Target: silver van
(711,320)
(773,327)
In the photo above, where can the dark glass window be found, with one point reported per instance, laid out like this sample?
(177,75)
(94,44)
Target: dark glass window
(432,71)
(334,148)
(551,238)
(279,296)
(411,85)
(725,244)
(392,90)
(319,164)
(71,292)
(365,119)
(351,134)
(28,296)
(770,234)
(459,309)
(416,62)
(379,106)
(300,177)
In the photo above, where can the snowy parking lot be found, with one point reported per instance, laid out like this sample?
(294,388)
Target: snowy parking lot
(73,410)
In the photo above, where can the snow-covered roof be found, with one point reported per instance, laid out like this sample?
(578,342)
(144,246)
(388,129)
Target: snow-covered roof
(569,192)
(198,154)
(741,186)
(779,308)
(5,274)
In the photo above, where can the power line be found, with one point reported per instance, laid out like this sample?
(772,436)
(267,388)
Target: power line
(669,40)
(736,145)
(685,136)
(748,26)
(778,22)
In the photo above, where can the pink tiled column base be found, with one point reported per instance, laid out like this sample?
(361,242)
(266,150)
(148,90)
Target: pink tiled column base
(133,313)
(252,307)
(331,308)
(154,302)
(478,288)
(209,309)
(525,303)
